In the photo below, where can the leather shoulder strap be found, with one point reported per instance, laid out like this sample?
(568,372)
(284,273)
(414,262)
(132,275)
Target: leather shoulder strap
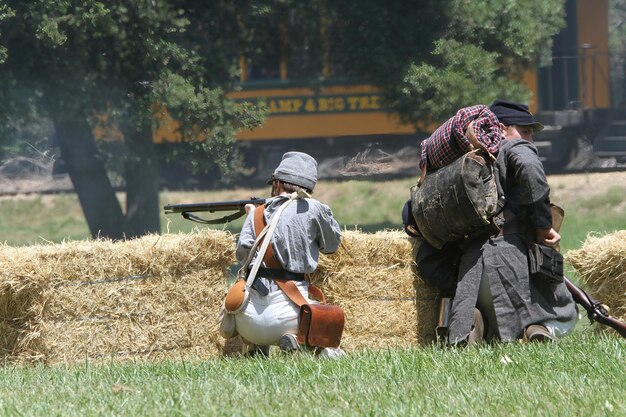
(316,293)
(292,292)
(288,287)
(259,224)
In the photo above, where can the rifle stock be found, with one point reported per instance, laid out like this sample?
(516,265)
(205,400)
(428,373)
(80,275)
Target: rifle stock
(595,309)
(238,206)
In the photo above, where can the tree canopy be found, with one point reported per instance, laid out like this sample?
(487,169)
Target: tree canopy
(486,47)
(73,62)
(429,57)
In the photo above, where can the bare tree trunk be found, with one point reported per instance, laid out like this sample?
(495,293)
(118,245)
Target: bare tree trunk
(96,195)
(142,183)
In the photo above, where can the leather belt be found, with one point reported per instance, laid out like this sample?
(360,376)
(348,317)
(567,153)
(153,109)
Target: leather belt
(516,227)
(274,273)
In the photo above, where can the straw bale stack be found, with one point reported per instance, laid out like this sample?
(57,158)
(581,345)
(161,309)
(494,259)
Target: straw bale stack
(373,278)
(601,263)
(147,296)
(158,296)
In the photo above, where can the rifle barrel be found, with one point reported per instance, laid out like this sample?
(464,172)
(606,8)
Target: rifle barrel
(211,207)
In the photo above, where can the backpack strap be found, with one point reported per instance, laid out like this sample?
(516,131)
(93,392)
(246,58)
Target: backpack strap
(470,134)
(269,258)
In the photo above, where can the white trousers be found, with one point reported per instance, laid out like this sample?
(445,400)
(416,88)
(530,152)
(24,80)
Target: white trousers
(266,318)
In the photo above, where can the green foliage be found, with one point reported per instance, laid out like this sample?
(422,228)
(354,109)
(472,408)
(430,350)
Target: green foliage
(73,61)
(33,132)
(27,133)
(516,29)
(480,57)
(429,59)
(5,13)
(470,71)
(381,38)
(271,29)
(121,58)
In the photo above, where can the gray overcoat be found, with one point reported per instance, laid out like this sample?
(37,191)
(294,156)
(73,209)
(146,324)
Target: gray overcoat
(519,299)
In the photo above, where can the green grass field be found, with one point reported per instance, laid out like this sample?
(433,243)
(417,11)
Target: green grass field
(581,375)
(590,204)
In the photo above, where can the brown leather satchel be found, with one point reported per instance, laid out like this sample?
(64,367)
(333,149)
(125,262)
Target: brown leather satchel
(321,325)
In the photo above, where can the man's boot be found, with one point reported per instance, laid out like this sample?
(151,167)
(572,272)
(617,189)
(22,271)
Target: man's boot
(288,343)
(254,351)
(538,333)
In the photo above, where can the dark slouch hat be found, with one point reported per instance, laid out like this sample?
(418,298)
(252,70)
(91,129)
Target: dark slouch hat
(510,113)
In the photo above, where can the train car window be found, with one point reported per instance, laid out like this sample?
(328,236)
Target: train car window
(284,50)
(263,69)
(263,62)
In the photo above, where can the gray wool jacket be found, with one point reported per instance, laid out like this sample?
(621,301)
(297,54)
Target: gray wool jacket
(519,299)
(306,228)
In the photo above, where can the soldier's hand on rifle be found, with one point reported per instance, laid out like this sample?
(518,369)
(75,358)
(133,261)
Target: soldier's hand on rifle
(248,208)
(548,237)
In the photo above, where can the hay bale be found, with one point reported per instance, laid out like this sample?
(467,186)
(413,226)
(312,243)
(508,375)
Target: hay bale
(160,314)
(373,278)
(601,263)
(158,296)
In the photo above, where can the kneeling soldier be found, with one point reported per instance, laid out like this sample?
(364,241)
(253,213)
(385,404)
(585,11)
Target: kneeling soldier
(304,227)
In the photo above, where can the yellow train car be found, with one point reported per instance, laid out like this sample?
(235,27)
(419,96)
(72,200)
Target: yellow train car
(331,121)
(573,91)
(577,76)
(327,121)
(332,111)
(571,96)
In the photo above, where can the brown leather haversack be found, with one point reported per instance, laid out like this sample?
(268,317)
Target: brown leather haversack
(321,325)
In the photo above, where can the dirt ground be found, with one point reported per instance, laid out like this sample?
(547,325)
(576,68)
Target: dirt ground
(566,188)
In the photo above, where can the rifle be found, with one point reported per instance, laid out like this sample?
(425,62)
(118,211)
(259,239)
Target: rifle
(595,310)
(238,206)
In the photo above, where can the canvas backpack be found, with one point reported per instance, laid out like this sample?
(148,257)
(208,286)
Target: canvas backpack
(458,194)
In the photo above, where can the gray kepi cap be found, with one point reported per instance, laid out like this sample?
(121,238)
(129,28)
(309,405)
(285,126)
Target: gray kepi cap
(297,168)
